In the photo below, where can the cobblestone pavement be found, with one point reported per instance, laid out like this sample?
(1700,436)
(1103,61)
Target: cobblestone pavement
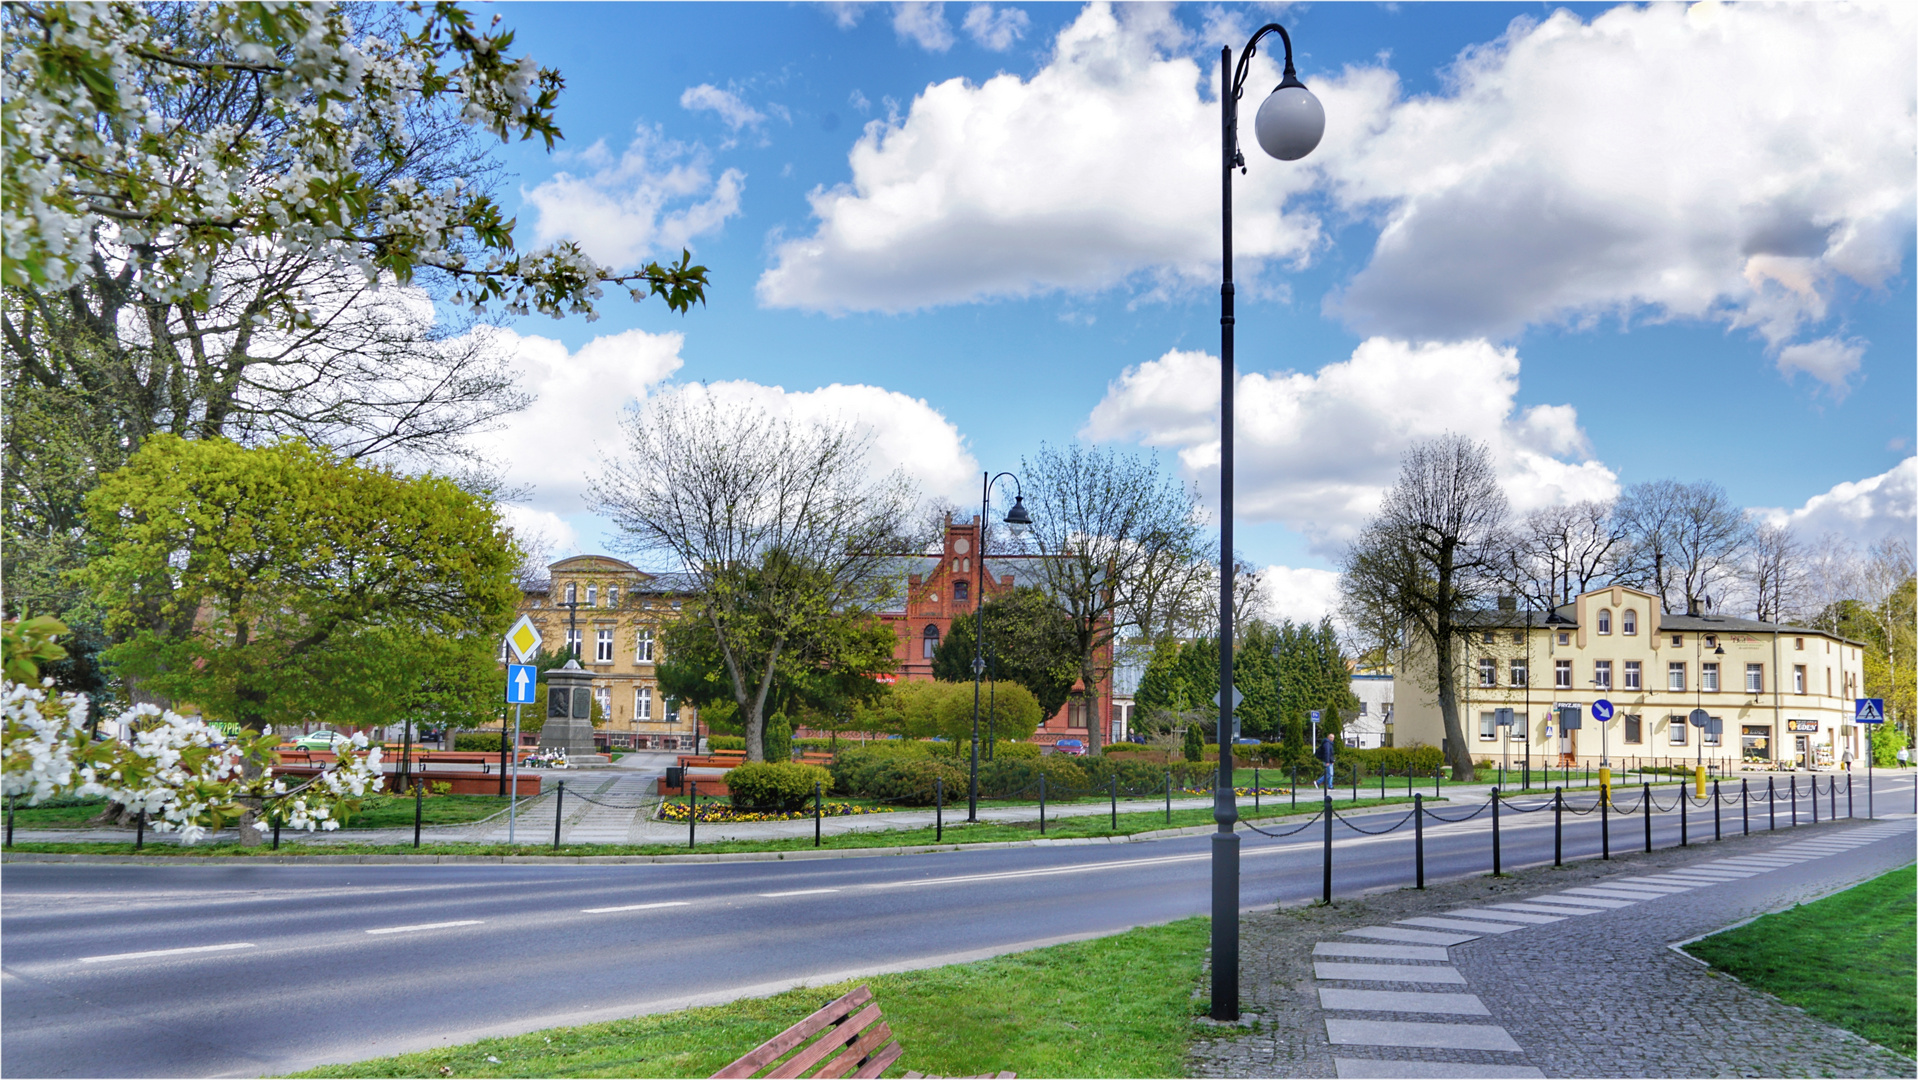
(1551,972)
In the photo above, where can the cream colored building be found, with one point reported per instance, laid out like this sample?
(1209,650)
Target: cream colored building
(1783,695)
(613,612)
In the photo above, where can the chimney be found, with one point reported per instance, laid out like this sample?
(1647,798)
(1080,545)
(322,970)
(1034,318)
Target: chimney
(1691,606)
(1508,603)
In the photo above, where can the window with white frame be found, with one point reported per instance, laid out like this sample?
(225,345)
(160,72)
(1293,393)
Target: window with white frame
(1602,674)
(1676,725)
(930,641)
(592,596)
(1708,678)
(603,695)
(643,703)
(1487,671)
(1675,675)
(612,596)
(1564,638)
(603,647)
(1628,622)
(1634,676)
(1605,621)
(1798,679)
(1521,673)
(1754,678)
(1364,709)
(1487,726)
(572,643)
(1562,674)
(643,646)
(572,592)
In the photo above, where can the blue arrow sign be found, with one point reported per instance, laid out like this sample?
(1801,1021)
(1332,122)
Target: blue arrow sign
(522,682)
(1601,710)
(1871,710)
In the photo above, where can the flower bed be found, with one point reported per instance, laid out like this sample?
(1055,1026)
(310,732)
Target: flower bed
(677,811)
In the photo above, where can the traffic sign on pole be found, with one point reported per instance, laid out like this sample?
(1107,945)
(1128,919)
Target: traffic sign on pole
(1870,710)
(522,682)
(1601,710)
(524,640)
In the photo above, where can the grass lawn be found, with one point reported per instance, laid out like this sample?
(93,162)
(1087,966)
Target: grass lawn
(955,833)
(1846,959)
(378,812)
(1114,1006)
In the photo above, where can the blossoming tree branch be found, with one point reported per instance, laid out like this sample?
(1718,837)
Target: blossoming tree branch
(108,167)
(183,774)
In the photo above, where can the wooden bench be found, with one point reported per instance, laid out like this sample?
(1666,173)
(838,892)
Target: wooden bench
(853,1041)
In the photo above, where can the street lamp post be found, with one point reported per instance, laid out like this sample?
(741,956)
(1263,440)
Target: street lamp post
(1288,126)
(1017,520)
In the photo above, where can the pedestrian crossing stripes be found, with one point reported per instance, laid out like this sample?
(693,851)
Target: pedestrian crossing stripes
(1418,975)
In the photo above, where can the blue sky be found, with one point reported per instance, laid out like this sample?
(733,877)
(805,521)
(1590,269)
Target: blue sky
(1619,244)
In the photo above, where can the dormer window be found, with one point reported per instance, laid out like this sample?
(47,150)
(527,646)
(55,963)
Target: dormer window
(1628,622)
(1605,621)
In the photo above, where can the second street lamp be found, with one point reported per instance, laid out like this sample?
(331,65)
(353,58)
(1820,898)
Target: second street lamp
(1289,125)
(1018,520)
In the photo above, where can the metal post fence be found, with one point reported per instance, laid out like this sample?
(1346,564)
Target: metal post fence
(1042,804)
(1418,836)
(1558,827)
(419,808)
(1684,831)
(1168,798)
(1771,805)
(939,809)
(1355,781)
(692,813)
(1745,803)
(1495,852)
(1605,825)
(1438,779)
(1115,802)
(1647,806)
(11,799)
(276,834)
(817,809)
(1717,832)
(1814,800)
(1295,786)
(1833,816)
(140,831)
(559,811)
(1255,787)
(1328,847)
(1849,809)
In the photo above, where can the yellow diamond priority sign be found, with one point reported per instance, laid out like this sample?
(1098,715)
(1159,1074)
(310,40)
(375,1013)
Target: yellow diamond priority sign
(523,639)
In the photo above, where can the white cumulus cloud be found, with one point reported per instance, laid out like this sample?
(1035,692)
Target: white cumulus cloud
(1829,360)
(1102,166)
(924,24)
(996,30)
(1728,163)
(1300,593)
(1864,511)
(1317,451)
(656,197)
(730,106)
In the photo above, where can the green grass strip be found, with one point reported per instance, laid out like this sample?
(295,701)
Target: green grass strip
(1091,825)
(1847,959)
(1113,1006)
(376,812)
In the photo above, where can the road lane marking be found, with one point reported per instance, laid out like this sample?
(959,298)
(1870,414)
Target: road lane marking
(166,952)
(1041,872)
(799,892)
(635,907)
(425,926)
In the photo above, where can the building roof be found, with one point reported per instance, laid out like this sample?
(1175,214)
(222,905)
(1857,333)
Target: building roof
(1668,622)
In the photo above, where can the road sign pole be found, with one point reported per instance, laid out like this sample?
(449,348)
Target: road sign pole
(512,806)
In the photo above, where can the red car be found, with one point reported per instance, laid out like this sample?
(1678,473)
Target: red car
(1075,747)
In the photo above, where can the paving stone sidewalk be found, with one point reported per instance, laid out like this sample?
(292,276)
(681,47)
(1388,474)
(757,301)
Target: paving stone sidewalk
(1551,972)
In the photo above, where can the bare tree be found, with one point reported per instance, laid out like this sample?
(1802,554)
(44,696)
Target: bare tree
(1437,546)
(1684,540)
(775,520)
(1118,538)
(1773,571)
(1562,551)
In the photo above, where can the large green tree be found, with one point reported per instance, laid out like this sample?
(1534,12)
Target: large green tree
(1029,640)
(943,710)
(283,584)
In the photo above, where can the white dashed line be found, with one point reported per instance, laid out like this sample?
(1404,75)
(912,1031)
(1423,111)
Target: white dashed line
(635,907)
(799,892)
(150,953)
(425,926)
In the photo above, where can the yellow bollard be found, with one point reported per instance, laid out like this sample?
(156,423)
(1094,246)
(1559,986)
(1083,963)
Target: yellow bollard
(1605,783)
(1700,776)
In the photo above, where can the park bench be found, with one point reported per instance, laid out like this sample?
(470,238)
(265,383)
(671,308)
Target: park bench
(853,1040)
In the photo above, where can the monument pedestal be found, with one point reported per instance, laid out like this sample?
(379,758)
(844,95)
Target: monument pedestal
(569,711)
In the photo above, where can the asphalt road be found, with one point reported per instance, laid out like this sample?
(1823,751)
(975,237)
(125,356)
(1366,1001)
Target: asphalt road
(232,969)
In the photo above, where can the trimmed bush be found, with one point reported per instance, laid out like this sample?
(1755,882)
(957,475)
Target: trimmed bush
(472,740)
(904,779)
(779,738)
(1194,743)
(775,785)
(726,742)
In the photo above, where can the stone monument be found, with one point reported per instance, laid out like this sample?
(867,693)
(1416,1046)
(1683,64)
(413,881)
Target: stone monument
(569,711)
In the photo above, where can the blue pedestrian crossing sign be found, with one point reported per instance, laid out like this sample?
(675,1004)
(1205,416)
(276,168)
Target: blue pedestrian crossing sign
(1601,710)
(522,682)
(1871,710)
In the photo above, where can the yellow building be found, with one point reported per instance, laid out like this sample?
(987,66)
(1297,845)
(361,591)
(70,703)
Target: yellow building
(610,613)
(1782,695)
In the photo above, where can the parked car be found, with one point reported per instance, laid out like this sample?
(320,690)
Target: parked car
(322,739)
(1076,747)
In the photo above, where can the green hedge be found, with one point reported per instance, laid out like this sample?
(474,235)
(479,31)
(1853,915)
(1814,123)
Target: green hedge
(726,742)
(470,740)
(890,772)
(775,785)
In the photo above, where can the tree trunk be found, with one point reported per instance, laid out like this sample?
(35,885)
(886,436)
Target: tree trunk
(1458,754)
(1089,677)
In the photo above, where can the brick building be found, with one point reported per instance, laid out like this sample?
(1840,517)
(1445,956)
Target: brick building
(940,588)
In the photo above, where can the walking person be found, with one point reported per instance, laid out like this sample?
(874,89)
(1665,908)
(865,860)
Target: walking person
(1328,753)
